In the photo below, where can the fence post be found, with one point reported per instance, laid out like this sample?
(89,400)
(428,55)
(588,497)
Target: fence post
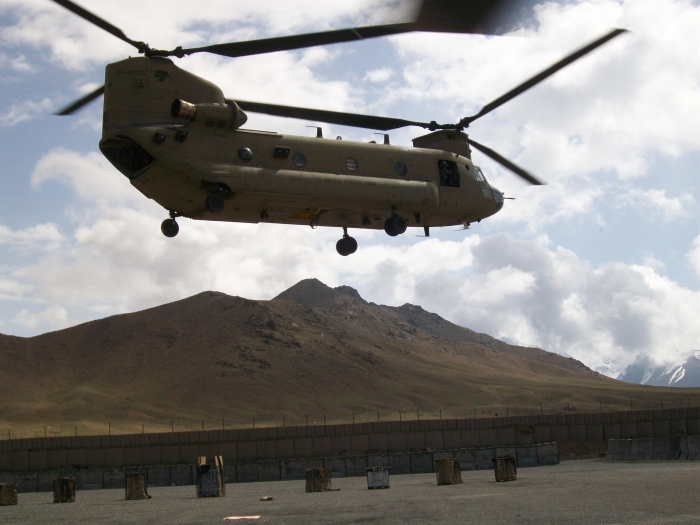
(441,413)
(110,429)
(474,412)
(507,414)
(143,428)
(662,403)
(324,420)
(400,411)
(541,409)
(307,420)
(172,426)
(223,424)
(377,415)
(253,421)
(284,420)
(417,414)
(353,418)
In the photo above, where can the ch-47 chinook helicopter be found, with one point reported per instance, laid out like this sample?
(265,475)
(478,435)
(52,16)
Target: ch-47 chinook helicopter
(180,141)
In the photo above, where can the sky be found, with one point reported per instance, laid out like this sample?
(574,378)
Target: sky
(602,263)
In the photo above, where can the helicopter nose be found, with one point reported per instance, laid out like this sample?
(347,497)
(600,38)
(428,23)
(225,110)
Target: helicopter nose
(497,198)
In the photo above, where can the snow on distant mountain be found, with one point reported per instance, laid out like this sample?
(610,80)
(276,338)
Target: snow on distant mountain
(645,372)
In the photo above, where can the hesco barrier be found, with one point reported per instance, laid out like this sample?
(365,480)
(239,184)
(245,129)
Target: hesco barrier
(364,439)
(678,447)
(289,469)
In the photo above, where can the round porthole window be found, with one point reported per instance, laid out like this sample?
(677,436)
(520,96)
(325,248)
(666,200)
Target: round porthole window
(351,164)
(245,154)
(401,169)
(299,159)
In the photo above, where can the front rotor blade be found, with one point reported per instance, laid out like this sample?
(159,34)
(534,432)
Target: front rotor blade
(542,76)
(99,22)
(81,102)
(331,117)
(505,162)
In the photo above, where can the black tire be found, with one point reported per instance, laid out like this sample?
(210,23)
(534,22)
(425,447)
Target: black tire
(214,203)
(399,224)
(395,225)
(342,248)
(351,245)
(169,228)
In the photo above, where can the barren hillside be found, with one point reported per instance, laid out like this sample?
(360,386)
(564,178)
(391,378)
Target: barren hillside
(312,350)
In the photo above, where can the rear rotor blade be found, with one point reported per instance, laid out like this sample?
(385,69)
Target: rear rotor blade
(438,16)
(488,108)
(506,163)
(286,43)
(102,24)
(331,117)
(81,102)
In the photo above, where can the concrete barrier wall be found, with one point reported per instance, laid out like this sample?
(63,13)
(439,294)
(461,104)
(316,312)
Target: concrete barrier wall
(273,444)
(678,447)
(286,469)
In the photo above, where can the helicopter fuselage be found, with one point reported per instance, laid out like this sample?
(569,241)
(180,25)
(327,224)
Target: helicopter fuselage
(259,176)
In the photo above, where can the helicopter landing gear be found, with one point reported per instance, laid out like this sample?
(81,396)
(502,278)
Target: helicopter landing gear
(347,245)
(214,203)
(169,227)
(395,225)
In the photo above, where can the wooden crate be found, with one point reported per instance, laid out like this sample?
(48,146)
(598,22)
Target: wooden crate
(318,479)
(8,494)
(135,487)
(504,468)
(448,471)
(63,490)
(210,480)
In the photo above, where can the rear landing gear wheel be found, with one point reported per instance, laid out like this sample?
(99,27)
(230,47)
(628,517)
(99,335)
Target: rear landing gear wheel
(395,225)
(214,203)
(169,228)
(347,245)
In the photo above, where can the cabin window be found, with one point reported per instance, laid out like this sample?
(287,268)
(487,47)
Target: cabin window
(449,175)
(351,164)
(299,159)
(245,154)
(401,169)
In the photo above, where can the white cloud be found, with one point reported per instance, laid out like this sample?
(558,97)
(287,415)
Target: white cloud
(18,63)
(53,318)
(656,204)
(41,236)
(694,255)
(379,75)
(23,111)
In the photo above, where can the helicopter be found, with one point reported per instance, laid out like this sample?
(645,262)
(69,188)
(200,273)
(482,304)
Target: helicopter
(180,142)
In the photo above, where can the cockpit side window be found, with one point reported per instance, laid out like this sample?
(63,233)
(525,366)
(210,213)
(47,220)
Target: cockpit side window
(478,175)
(449,175)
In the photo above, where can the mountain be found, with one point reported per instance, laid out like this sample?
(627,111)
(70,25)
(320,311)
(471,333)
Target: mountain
(644,372)
(311,350)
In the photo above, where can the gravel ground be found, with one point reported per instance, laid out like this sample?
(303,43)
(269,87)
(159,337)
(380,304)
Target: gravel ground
(574,492)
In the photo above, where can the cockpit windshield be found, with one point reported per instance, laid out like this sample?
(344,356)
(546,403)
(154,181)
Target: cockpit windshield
(478,175)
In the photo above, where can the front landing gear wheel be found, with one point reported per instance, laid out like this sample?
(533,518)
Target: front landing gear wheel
(347,245)
(214,203)
(395,225)
(169,228)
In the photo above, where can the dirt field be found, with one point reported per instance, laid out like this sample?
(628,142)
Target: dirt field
(574,492)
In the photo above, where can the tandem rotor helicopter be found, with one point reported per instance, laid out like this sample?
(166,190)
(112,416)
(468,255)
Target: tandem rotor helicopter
(181,142)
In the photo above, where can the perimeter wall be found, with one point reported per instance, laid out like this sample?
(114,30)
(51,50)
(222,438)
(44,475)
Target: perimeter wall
(365,439)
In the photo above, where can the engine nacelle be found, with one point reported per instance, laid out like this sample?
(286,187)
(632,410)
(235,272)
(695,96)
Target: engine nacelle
(228,116)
